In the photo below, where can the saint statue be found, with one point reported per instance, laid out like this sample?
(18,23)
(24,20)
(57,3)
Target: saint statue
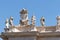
(42,20)
(7,23)
(11,21)
(33,20)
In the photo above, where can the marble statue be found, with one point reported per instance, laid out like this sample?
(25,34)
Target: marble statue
(58,23)
(11,21)
(58,20)
(33,20)
(7,23)
(42,20)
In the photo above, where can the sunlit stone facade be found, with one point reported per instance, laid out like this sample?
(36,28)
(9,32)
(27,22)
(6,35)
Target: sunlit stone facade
(26,31)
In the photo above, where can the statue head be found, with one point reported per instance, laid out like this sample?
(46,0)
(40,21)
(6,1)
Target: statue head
(11,18)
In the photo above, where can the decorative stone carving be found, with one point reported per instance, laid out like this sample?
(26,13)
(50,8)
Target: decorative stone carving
(42,20)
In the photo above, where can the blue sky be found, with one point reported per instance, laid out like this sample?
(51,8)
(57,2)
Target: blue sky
(47,8)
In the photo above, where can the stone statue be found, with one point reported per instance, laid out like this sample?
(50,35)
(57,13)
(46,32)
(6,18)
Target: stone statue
(11,21)
(42,20)
(24,17)
(58,23)
(7,23)
(58,20)
(33,20)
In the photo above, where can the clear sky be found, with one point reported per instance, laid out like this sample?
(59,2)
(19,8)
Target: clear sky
(47,8)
